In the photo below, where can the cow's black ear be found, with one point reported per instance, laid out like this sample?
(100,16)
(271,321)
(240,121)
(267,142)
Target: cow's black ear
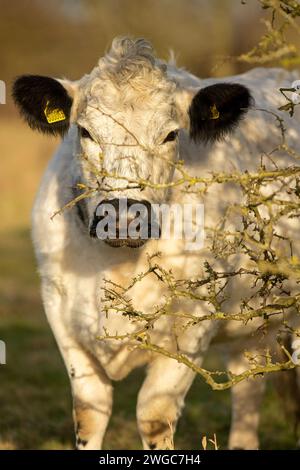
(43,102)
(217,109)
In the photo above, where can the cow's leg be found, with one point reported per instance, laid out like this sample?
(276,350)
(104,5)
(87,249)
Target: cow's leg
(246,398)
(160,401)
(92,400)
(92,396)
(91,389)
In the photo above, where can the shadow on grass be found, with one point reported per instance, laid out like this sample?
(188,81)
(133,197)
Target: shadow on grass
(35,394)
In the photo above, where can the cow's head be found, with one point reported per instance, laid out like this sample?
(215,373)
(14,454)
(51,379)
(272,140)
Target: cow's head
(128,113)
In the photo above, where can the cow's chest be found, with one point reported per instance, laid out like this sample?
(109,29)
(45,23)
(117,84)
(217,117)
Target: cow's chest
(100,310)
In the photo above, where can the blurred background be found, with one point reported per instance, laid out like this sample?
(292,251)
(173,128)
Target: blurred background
(65,39)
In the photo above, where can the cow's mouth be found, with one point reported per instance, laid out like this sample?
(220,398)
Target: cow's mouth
(128,242)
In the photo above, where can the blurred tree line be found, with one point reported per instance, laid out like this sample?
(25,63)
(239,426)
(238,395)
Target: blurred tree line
(66,37)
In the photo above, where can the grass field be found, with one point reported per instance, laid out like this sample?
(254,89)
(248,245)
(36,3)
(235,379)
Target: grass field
(34,391)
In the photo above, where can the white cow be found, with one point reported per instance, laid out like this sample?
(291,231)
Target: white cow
(133,116)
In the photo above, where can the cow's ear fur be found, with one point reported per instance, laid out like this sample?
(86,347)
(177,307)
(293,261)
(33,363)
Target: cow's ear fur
(217,109)
(44,103)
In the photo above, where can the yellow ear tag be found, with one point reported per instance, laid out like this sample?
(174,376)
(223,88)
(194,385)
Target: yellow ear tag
(54,115)
(214,112)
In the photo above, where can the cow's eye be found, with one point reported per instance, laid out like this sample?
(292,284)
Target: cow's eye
(84,133)
(171,136)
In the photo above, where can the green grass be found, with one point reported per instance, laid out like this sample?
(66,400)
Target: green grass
(35,395)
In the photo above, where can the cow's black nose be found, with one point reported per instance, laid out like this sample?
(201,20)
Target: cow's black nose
(125,222)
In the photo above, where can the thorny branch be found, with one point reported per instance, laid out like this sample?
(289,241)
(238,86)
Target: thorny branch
(273,270)
(274,45)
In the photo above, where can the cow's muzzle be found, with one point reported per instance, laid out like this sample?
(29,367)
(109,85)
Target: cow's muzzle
(125,222)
